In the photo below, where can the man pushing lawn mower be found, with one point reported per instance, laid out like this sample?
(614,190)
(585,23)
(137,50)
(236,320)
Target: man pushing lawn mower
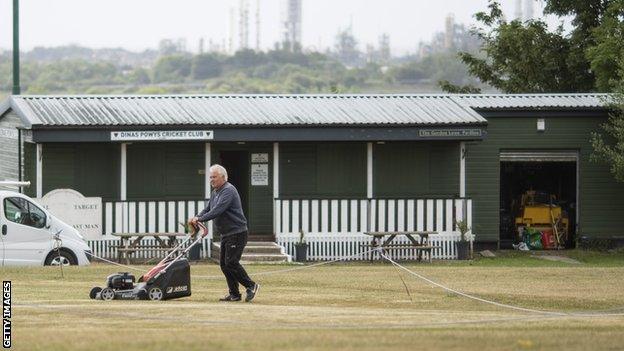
(226,211)
(171,277)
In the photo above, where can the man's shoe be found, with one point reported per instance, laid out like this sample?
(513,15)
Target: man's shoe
(230,298)
(251,293)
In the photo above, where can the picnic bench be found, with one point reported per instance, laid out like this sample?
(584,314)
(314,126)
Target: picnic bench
(419,245)
(132,243)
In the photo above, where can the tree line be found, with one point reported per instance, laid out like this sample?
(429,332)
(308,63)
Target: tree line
(247,71)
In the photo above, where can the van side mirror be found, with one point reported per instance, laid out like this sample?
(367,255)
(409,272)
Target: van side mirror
(47,221)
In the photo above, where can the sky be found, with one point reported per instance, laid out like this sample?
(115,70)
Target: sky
(140,24)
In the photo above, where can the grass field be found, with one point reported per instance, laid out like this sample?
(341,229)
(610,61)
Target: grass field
(339,306)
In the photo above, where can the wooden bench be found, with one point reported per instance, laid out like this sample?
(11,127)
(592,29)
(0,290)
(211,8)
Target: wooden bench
(403,246)
(425,249)
(119,247)
(419,246)
(144,249)
(131,243)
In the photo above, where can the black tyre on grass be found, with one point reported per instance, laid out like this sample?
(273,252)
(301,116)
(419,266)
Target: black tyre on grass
(61,257)
(94,292)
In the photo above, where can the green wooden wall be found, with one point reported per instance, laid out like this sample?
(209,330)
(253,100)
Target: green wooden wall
(416,169)
(601,199)
(323,170)
(338,170)
(89,168)
(168,171)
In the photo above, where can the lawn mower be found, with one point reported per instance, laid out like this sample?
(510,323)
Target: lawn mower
(169,279)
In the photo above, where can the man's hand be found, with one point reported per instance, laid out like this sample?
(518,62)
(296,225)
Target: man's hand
(192,226)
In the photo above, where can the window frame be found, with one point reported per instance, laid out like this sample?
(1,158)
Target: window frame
(30,208)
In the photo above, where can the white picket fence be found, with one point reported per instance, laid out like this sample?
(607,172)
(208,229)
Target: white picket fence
(356,216)
(149,216)
(334,228)
(146,217)
(107,249)
(329,246)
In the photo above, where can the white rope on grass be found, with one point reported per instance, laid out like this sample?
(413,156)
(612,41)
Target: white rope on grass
(383,255)
(115,263)
(523,309)
(292,269)
(254,274)
(88,253)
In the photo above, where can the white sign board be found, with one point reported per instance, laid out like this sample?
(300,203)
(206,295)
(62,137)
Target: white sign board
(82,213)
(147,135)
(260,174)
(8,133)
(259,158)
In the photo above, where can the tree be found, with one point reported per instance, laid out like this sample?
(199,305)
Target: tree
(609,148)
(606,54)
(586,59)
(139,76)
(527,57)
(450,88)
(247,58)
(206,66)
(607,60)
(172,68)
(587,14)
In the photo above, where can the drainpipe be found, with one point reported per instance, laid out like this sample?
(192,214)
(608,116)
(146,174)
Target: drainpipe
(19,156)
(16,68)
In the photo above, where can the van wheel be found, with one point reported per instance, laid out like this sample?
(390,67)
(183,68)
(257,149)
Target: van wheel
(61,257)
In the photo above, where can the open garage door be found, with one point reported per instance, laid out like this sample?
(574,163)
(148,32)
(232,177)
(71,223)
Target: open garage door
(536,178)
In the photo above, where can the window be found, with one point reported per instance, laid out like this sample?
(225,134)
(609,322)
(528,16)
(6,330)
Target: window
(22,211)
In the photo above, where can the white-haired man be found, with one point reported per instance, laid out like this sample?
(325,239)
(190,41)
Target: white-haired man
(226,211)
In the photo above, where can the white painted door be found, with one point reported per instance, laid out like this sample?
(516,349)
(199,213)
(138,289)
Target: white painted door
(25,238)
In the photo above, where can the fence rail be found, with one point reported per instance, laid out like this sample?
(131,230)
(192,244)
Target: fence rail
(325,247)
(107,249)
(357,216)
(146,217)
(149,216)
(334,228)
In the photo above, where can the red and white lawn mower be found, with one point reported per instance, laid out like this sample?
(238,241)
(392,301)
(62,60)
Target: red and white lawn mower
(169,279)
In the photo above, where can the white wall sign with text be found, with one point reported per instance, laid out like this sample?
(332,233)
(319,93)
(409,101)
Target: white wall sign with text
(259,158)
(260,174)
(82,213)
(8,133)
(147,135)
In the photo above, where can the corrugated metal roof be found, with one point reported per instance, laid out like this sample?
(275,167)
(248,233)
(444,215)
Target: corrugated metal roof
(534,101)
(282,110)
(245,110)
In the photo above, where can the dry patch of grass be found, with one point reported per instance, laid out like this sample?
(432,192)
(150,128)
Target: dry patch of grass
(350,307)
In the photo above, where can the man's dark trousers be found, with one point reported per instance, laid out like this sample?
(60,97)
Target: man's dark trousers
(232,247)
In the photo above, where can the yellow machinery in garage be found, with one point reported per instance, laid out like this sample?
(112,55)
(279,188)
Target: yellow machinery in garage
(540,212)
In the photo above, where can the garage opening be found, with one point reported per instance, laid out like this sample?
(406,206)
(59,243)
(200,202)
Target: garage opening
(538,199)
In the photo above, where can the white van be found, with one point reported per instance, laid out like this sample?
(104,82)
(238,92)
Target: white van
(28,233)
